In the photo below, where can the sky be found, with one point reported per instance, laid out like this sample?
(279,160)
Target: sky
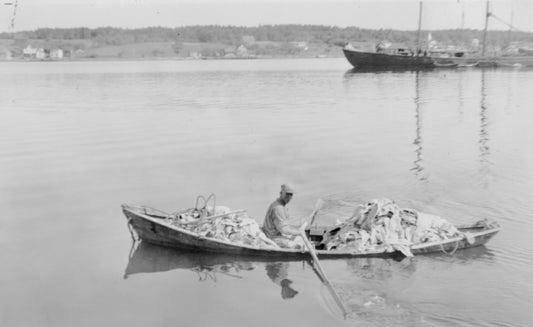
(372,14)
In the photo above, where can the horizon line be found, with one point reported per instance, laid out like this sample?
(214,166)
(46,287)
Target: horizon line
(262,25)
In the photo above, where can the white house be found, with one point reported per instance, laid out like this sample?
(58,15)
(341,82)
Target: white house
(56,53)
(300,45)
(29,51)
(40,54)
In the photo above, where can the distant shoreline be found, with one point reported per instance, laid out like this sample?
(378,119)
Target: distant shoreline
(103,59)
(233,43)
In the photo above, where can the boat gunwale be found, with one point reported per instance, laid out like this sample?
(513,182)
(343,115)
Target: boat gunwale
(489,230)
(385,54)
(159,221)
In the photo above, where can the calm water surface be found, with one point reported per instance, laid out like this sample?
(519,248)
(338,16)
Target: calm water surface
(78,139)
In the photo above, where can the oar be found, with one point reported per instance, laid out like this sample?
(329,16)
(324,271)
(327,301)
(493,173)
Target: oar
(322,274)
(311,219)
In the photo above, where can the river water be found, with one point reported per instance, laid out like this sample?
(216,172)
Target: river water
(78,139)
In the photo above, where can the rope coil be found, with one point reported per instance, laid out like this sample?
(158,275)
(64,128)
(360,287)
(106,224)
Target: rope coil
(452,252)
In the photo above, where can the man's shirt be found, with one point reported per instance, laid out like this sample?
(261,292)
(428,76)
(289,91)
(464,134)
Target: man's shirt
(276,220)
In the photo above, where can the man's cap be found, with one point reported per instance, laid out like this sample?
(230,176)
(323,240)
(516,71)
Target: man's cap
(288,188)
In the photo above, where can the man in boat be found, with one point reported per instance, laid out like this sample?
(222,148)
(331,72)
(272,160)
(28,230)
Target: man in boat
(276,225)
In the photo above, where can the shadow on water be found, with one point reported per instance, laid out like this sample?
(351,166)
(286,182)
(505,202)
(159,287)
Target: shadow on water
(362,295)
(377,70)
(147,258)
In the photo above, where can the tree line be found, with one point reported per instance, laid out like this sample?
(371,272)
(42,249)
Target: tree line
(233,35)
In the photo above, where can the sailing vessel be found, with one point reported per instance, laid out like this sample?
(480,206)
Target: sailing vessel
(363,59)
(396,59)
(382,58)
(520,59)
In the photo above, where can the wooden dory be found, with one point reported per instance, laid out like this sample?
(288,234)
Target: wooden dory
(152,226)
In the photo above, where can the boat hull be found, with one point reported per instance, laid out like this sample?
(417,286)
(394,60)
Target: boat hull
(362,59)
(160,231)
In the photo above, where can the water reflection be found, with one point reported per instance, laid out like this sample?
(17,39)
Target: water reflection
(382,269)
(418,163)
(147,258)
(278,273)
(484,148)
(465,256)
(376,290)
(419,168)
(460,95)
(377,70)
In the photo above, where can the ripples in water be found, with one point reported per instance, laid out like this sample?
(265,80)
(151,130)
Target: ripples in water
(79,139)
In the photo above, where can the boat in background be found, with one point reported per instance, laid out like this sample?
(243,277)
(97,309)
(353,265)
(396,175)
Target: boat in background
(395,58)
(387,57)
(384,57)
(363,59)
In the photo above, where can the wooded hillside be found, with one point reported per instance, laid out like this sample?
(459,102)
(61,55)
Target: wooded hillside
(277,33)
(261,40)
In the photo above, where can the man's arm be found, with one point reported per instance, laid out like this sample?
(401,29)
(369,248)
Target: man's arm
(281,222)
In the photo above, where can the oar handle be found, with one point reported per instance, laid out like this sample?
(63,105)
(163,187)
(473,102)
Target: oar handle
(313,214)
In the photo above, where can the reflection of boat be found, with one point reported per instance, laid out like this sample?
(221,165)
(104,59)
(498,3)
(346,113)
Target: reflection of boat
(152,226)
(352,73)
(147,258)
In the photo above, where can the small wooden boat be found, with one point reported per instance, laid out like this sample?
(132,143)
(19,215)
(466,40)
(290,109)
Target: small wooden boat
(155,227)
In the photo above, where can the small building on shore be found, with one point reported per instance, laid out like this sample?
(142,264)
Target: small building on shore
(5,54)
(40,54)
(29,52)
(302,45)
(56,54)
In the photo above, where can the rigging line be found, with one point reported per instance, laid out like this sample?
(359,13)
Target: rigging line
(504,22)
(14,15)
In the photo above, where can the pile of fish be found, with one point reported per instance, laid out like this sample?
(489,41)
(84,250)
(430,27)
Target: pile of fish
(222,224)
(381,226)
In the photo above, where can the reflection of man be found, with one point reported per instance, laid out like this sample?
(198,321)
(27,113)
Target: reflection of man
(277,272)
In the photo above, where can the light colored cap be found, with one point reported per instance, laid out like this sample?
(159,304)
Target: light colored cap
(288,188)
